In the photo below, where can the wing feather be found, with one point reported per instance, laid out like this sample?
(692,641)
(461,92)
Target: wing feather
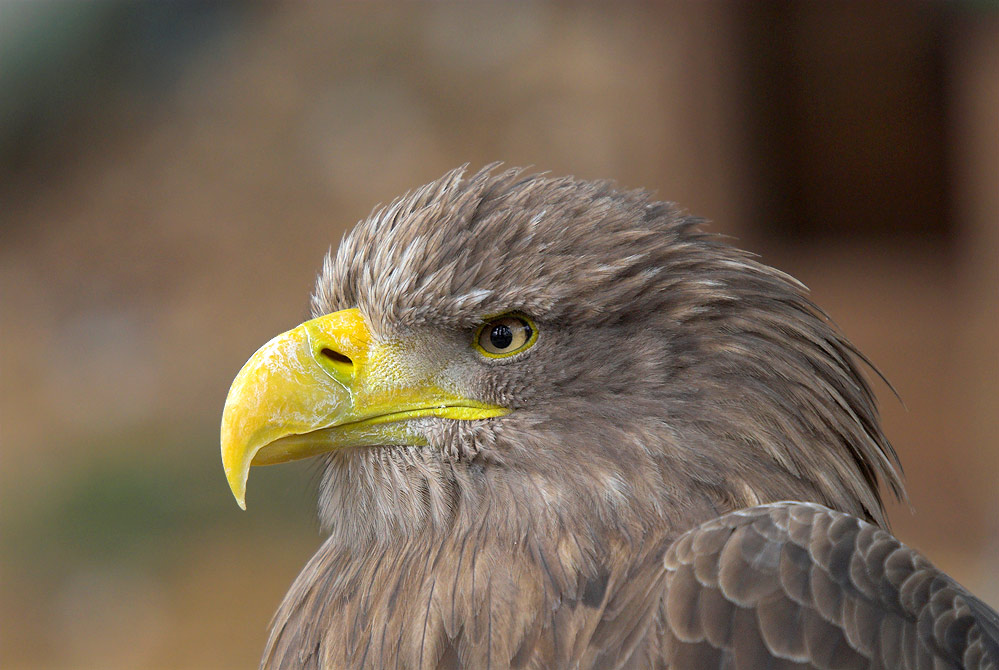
(799,585)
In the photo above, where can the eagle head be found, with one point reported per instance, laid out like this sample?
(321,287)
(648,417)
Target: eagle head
(538,352)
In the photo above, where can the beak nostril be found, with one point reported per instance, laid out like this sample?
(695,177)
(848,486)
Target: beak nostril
(336,356)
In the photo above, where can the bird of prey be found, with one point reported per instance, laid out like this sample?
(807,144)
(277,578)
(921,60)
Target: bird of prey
(562,427)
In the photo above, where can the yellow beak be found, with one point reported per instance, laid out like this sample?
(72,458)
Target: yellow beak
(327,385)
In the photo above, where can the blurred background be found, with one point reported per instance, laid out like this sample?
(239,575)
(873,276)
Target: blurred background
(172,174)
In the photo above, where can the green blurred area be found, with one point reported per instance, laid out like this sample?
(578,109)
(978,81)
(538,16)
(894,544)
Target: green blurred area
(115,562)
(137,502)
(171,175)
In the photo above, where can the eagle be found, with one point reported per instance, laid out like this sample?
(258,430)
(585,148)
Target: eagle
(561,426)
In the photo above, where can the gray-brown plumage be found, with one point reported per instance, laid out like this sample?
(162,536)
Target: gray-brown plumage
(618,516)
(815,588)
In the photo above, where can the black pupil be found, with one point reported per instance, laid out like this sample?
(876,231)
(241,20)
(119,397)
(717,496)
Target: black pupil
(501,336)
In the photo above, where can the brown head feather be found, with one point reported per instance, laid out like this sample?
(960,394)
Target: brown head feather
(674,379)
(718,372)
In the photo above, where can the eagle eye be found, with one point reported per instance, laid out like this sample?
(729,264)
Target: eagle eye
(505,336)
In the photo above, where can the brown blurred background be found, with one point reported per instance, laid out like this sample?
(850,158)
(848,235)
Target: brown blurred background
(172,174)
